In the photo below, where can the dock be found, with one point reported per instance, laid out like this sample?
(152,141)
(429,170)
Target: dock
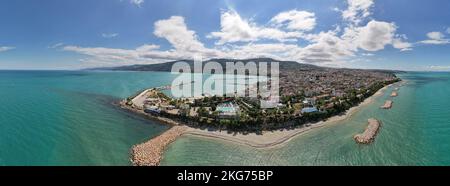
(368,136)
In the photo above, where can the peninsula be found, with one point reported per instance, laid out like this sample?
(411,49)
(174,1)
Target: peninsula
(307,96)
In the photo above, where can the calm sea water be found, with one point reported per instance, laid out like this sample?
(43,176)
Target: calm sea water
(67,118)
(416,131)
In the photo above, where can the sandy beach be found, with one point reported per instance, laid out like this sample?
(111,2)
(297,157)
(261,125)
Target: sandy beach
(151,152)
(272,139)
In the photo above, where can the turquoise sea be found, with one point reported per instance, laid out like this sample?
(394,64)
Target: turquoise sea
(68,118)
(416,131)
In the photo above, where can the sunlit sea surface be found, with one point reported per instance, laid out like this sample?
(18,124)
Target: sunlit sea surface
(416,131)
(68,118)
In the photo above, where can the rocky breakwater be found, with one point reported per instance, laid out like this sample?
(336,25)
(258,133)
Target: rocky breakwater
(394,94)
(368,136)
(387,104)
(150,153)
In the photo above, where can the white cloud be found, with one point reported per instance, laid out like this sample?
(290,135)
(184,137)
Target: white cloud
(146,48)
(448,30)
(235,29)
(367,54)
(436,38)
(6,48)
(435,42)
(357,10)
(375,35)
(179,36)
(278,51)
(323,48)
(402,45)
(139,55)
(184,42)
(240,38)
(137,2)
(113,57)
(435,35)
(439,67)
(109,35)
(295,20)
(336,9)
(57,45)
(326,47)
(103,52)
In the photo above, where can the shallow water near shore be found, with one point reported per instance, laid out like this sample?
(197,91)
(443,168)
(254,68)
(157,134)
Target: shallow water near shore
(67,118)
(416,131)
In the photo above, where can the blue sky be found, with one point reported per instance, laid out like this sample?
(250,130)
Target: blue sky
(73,34)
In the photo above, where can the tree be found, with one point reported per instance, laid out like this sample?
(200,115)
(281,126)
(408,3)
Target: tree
(202,112)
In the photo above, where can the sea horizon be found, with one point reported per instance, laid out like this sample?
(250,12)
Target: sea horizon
(82,69)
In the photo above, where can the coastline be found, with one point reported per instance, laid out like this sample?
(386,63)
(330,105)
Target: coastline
(150,152)
(277,138)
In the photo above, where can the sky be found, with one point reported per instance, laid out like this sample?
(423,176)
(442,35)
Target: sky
(76,34)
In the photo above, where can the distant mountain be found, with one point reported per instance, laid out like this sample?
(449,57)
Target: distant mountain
(162,67)
(167,67)
(284,66)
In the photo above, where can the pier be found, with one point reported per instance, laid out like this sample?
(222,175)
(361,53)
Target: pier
(150,153)
(368,136)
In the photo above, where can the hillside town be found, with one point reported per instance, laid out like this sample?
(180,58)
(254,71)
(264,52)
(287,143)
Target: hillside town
(305,96)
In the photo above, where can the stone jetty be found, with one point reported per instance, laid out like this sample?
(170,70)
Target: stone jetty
(368,136)
(150,153)
(394,94)
(387,104)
